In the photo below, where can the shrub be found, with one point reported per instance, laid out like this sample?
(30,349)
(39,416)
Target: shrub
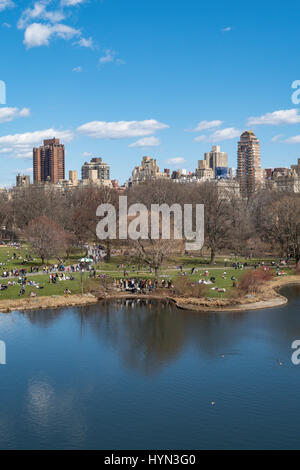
(252,281)
(184,287)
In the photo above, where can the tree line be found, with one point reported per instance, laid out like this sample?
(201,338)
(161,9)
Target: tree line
(55,222)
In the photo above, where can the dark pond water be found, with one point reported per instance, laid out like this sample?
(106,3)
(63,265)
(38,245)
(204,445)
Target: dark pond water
(143,376)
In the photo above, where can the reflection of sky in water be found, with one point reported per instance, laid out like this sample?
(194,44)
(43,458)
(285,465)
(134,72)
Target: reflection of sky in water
(41,398)
(48,410)
(124,375)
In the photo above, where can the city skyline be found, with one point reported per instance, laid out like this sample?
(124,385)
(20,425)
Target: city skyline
(103,98)
(49,166)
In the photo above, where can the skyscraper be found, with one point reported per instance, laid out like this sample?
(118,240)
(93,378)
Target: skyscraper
(214,165)
(49,162)
(249,172)
(215,158)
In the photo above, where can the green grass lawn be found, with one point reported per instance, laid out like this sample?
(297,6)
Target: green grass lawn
(188,262)
(7,261)
(48,289)
(115,270)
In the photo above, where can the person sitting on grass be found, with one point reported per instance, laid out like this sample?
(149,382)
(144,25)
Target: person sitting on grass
(33,294)
(67,291)
(22,291)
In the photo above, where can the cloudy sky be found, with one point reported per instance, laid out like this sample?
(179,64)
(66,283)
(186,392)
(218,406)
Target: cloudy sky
(122,79)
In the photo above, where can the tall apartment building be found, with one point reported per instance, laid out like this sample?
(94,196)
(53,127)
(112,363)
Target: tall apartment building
(249,172)
(215,158)
(49,162)
(215,163)
(95,169)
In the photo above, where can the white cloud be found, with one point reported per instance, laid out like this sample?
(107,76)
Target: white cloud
(71,3)
(87,154)
(6,4)
(42,23)
(77,69)
(9,114)
(6,25)
(20,145)
(110,56)
(38,34)
(200,138)
(277,137)
(39,12)
(224,134)
(121,129)
(175,161)
(226,30)
(87,43)
(277,118)
(146,142)
(293,140)
(204,125)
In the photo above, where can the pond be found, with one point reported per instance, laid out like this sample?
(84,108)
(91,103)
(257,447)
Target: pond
(144,375)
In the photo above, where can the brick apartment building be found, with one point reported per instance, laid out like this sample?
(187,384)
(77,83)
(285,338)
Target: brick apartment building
(49,162)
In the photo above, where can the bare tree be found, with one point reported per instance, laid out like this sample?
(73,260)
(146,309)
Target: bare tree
(279,225)
(217,221)
(46,237)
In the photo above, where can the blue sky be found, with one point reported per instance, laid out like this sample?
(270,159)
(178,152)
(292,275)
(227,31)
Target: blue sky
(122,79)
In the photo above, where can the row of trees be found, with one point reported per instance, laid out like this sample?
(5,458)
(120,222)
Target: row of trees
(55,222)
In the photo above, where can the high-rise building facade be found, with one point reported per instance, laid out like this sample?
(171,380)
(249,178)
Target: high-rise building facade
(95,169)
(213,162)
(249,172)
(49,162)
(215,158)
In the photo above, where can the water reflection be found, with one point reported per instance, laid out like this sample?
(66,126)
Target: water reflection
(44,318)
(148,335)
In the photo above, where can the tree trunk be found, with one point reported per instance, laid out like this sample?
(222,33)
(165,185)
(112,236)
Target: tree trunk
(212,256)
(156,273)
(108,252)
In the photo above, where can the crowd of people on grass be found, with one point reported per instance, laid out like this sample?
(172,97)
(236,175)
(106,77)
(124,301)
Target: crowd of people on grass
(96,252)
(134,285)
(22,282)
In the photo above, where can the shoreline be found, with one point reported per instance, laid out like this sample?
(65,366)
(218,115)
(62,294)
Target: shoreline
(269,297)
(39,303)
